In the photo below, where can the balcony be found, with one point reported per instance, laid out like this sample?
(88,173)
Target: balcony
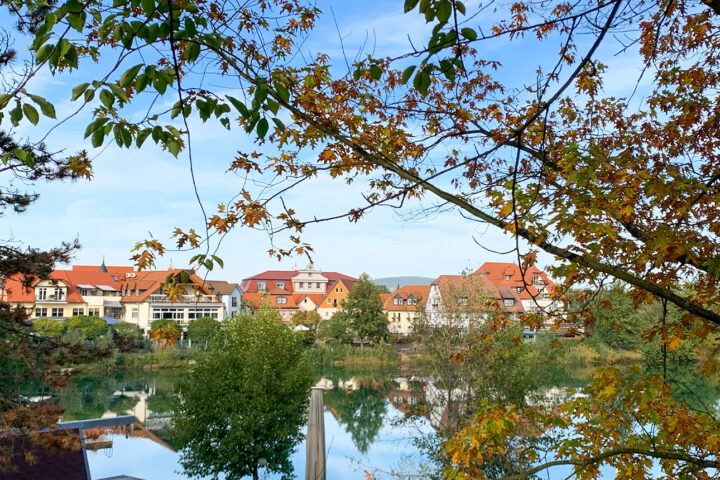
(185,299)
(51,299)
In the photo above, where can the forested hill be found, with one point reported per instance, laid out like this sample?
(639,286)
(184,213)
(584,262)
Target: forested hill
(393,282)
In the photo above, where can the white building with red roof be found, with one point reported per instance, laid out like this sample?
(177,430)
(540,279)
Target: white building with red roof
(299,290)
(404,307)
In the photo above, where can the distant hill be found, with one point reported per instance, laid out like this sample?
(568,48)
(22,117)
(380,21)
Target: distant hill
(392,282)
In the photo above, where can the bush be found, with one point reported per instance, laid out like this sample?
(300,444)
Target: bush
(203,329)
(49,327)
(90,328)
(126,336)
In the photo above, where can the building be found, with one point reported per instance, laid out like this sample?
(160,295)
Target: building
(299,290)
(115,293)
(404,307)
(495,286)
(229,294)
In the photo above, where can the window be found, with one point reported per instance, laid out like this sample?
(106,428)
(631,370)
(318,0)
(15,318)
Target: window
(462,301)
(537,280)
(58,293)
(412,300)
(545,296)
(41,293)
(302,284)
(199,313)
(84,292)
(518,289)
(234,301)
(330,300)
(305,300)
(397,300)
(78,311)
(337,290)
(94,311)
(280,284)
(281,300)
(171,313)
(261,285)
(41,312)
(508,302)
(134,312)
(508,277)
(341,290)
(317,285)
(57,312)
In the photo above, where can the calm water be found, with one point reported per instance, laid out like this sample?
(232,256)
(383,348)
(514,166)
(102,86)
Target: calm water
(366,419)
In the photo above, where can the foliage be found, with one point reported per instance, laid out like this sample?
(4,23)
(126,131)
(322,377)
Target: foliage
(625,421)
(49,327)
(165,331)
(127,335)
(90,328)
(310,318)
(363,311)
(203,329)
(381,354)
(336,328)
(245,400)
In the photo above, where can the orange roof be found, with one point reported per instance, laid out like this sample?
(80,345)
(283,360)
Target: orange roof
(149,281)
(505,274)
(476,289)
(96,268)
(271,277)
(420,292)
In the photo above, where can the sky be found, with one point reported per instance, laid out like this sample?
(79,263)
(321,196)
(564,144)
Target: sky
(138,193)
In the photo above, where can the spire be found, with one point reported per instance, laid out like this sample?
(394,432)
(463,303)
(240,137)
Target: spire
(171,266)
(103,268)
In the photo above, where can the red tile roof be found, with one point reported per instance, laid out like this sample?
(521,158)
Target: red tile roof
(420,292)
(96,268)
(271,277)
(476,288)
(497,272)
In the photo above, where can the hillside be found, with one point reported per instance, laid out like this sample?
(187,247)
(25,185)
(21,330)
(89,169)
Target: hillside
(392,282)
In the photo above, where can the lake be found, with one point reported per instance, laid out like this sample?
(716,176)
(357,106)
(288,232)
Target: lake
(382,421)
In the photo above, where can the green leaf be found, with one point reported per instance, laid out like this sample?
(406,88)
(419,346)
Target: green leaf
(160,84)
(77,20)
(282,92)
(24,157)
(424,4)
(460,7)
(97,137)
(422,82)
(468,33)
(117,131)
(16,114)
(119,92)
(410,4)
(261,93)
(43,53)
(375,72)
(192,51)
(141,137)
(78,90)
(280,125)
(107,98)
(262,127)
(407,74)
(89,95)
(46,107)
(173,147)
(127,78)
(176,109)
(444,10)
(31,114)
(239,106)
(148,5)
(218,260)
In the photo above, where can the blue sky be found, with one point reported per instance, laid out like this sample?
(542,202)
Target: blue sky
(139,191)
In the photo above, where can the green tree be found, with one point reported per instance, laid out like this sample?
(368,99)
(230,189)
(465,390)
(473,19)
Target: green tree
(363,310)
(126,335)
(310,319)
(49,327)
(203,329)
(336,328)
(91,328)
(245,400)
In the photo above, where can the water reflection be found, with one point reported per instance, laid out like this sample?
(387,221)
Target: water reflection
(377,420)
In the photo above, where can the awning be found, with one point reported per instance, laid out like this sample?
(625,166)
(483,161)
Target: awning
(112,303)
(106,288)
(82,285)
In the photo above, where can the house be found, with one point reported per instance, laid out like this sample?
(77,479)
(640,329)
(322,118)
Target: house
(533,290)
(114,293)
(228,293)
(299,290)
(460,300)
(404,307)
(145,300)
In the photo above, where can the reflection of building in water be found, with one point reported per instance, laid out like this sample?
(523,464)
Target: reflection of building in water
(547,397)
(351,384)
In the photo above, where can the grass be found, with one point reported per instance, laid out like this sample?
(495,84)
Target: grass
(155,359)
(345,355)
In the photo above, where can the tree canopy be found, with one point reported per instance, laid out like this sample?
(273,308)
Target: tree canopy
(203,329)
(363,311)
(245,400)
(613,179)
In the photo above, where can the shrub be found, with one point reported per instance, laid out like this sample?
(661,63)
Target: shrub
(49,327)
(90,328)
